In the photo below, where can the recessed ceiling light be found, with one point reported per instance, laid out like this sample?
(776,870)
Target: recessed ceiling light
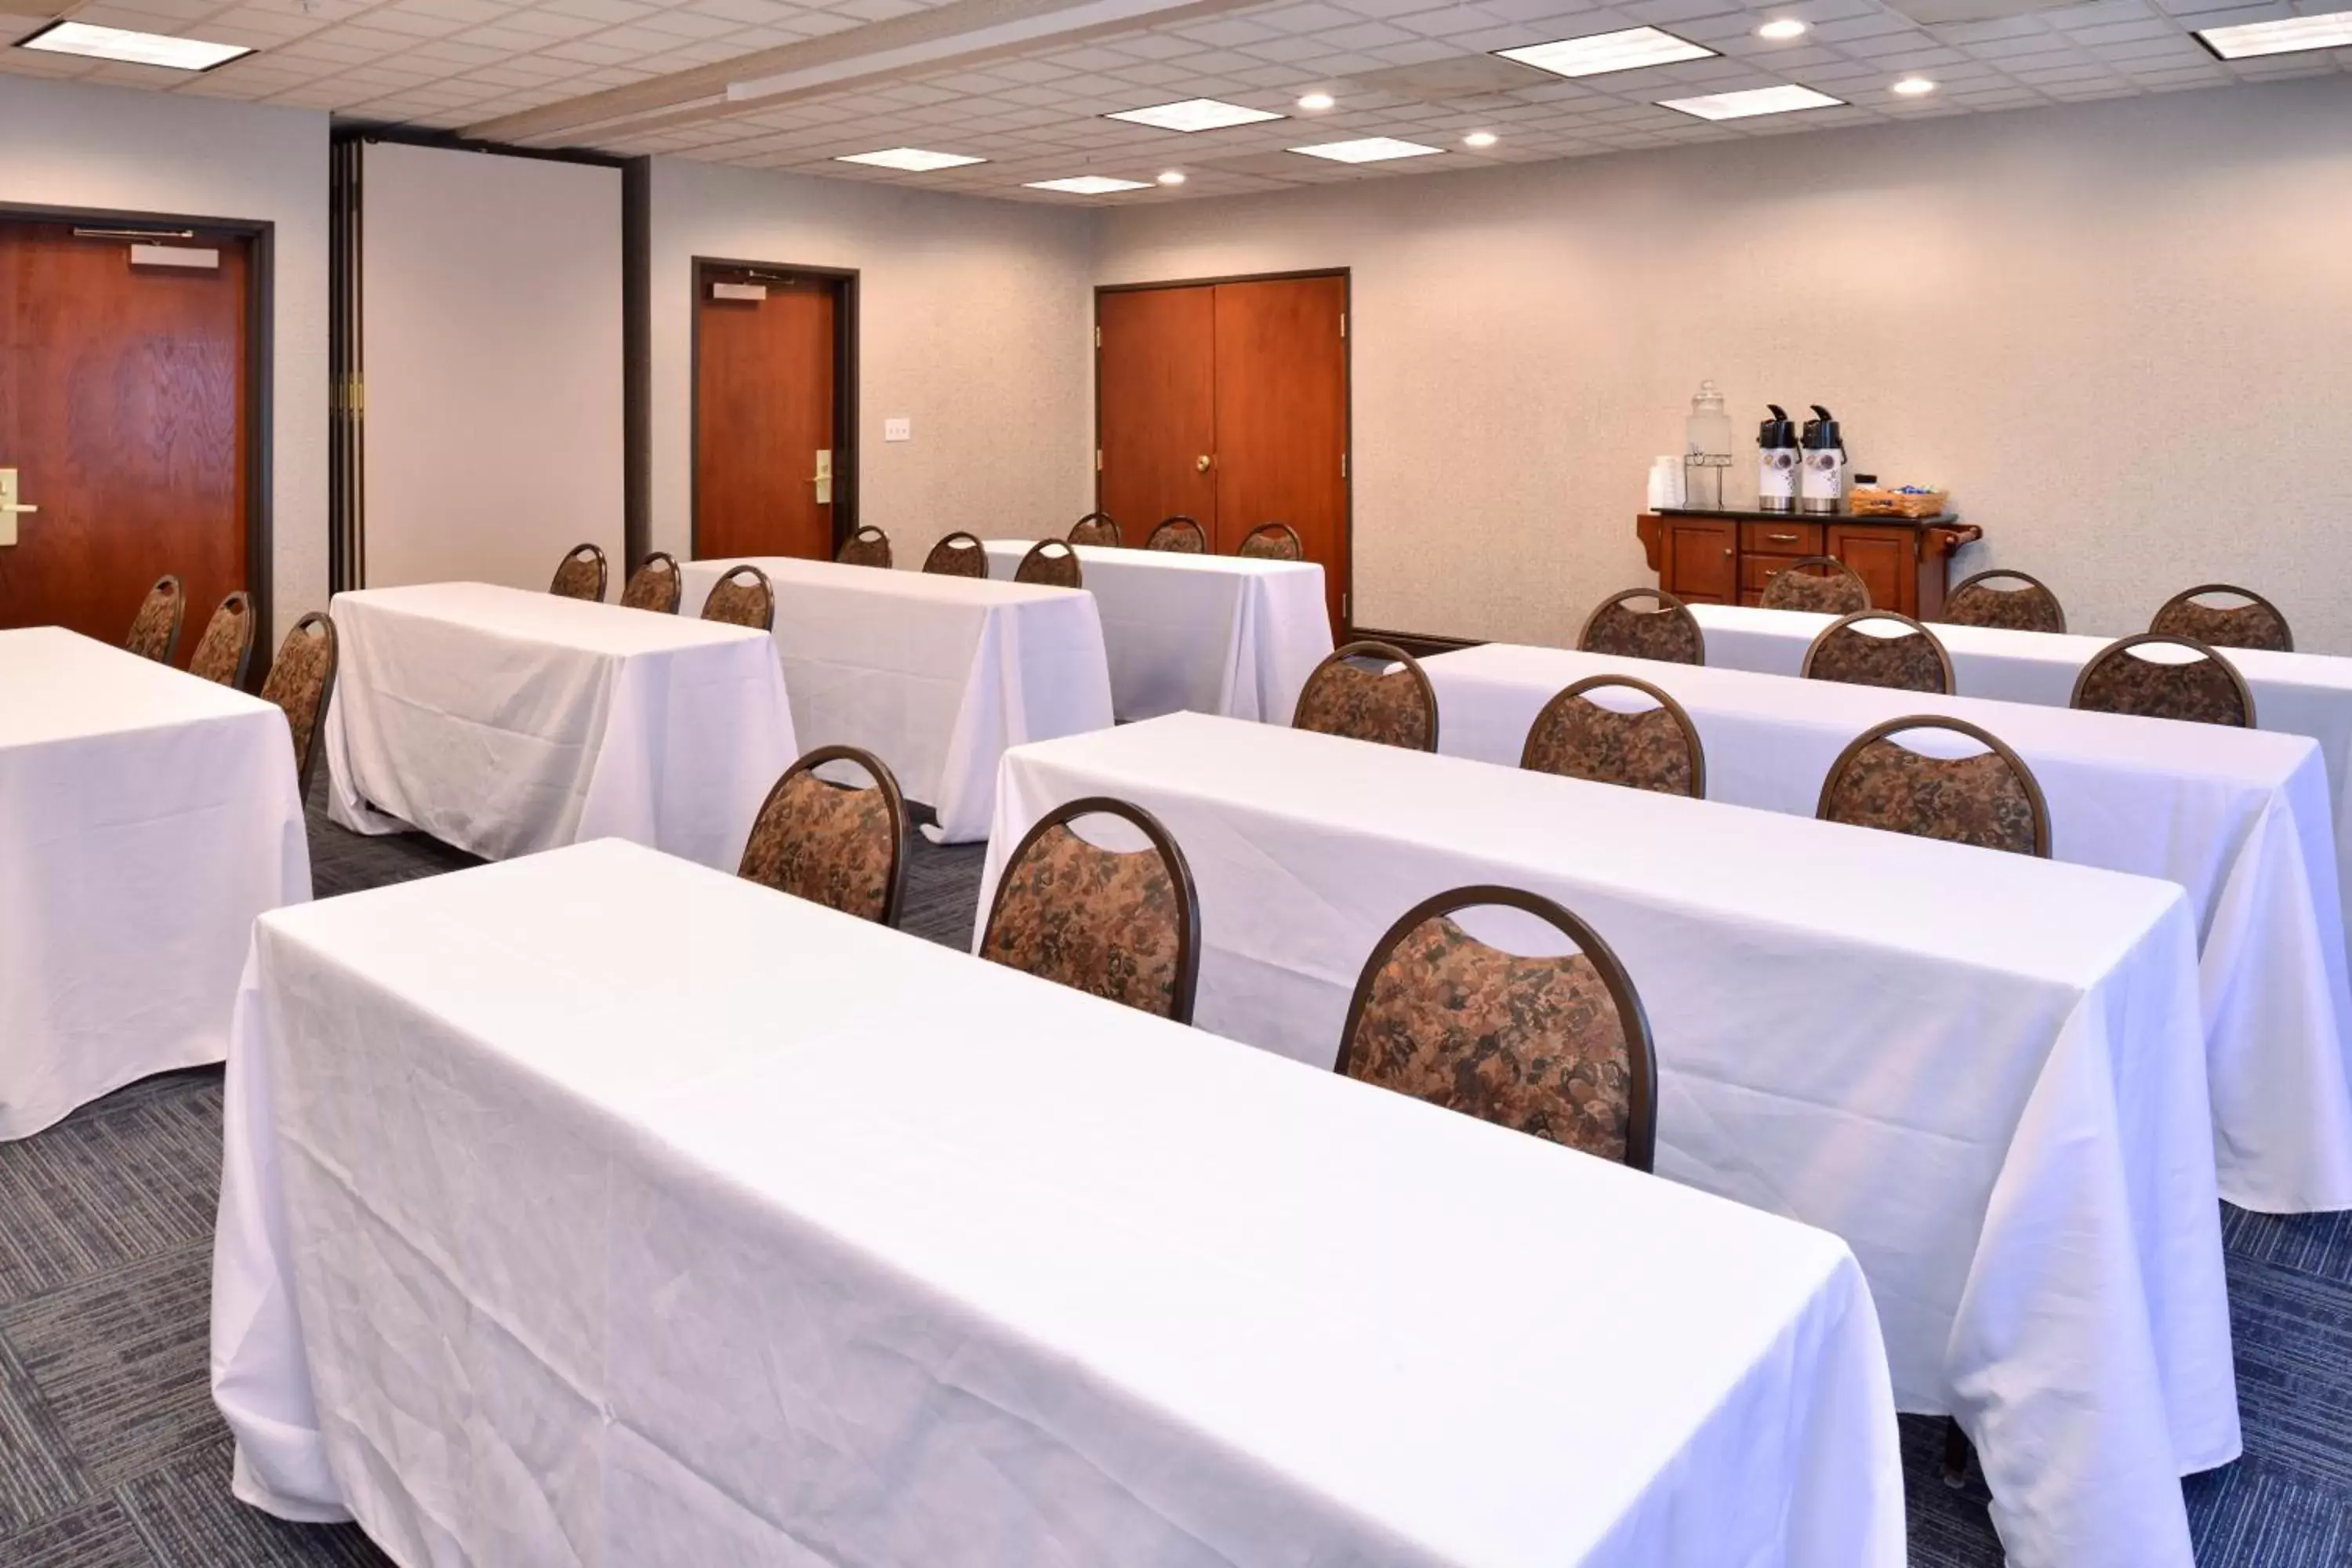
(1172,176)
(1088,186)
(1781,28)
(913,160)
(1314,101)
(1195,114)
(1914,85)
(1370,150)
(1598,53)
(1479,139)
(1758,100)
(2291,35)
(136,48)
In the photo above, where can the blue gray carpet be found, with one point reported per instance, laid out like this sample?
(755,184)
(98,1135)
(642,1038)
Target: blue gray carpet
(111,1455)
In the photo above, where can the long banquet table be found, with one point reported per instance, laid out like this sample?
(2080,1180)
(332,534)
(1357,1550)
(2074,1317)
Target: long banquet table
(795,1238)
(2240,818)
(146,817)
(935,675)
(506,721)
(1997,1096)
(1208,634)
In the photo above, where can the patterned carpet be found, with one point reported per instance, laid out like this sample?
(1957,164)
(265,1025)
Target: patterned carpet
(111,1455)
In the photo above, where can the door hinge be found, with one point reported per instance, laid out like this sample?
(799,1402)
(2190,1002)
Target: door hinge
(1343,324)
(1343,606)
(1099,459)
(1097,337)
(1343,464)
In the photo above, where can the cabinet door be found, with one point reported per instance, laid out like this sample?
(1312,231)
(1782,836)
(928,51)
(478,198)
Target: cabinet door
(1700,559)
(1882,558)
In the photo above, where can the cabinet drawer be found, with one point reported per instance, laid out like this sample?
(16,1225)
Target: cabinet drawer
(1755,571)
(1780,538)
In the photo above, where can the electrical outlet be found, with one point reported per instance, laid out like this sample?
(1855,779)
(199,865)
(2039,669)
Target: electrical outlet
(897,429)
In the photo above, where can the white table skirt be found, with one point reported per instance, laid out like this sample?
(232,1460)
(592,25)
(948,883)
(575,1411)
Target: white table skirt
(146,817)
(888,1256)
(2240,818)
(1205,633)
(506,721)
(1997,1096)
(935,675)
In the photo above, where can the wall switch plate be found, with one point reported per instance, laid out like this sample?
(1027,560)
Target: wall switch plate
(897,429)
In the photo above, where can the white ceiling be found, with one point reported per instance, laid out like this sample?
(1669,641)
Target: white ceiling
(1034,112)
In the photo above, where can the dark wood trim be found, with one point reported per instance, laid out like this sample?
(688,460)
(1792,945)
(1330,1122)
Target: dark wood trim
(346,416)
(450,142)
(1421,645)
(636,362)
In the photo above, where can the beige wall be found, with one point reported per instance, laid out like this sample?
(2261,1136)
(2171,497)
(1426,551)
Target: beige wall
(2122,334)
(975,323)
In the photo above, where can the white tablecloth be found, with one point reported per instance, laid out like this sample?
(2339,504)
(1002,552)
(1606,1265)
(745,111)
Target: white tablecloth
(2240,818)
(506,721)
(1996,1095)
(146,817)
(796,1239)
(935,675)
(1205,633)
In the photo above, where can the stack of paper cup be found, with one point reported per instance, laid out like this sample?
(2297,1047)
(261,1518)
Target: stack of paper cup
(1665,482)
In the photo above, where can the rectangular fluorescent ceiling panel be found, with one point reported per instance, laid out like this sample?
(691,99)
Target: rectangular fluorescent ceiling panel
(912,159)
(1370,150)
(1089,186)
(133,49)
(1596,54)
(2289,36)
(1195,114)
(1756,100)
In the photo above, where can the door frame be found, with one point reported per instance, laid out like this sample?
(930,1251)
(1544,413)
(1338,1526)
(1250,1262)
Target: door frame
(1347,277)
(260,337)
(844,388)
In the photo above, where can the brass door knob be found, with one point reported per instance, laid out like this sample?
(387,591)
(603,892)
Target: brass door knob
(1201,463)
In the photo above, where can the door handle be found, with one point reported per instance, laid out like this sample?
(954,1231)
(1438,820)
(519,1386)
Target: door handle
(10,508)
(1782,538)
(823,477)
(1201,463)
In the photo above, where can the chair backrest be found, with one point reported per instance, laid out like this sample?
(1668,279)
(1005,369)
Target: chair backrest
(1120,924)
(156,629)
(580,574)
(1050,563)
(1557,1046)
(302,680)
(1912,661)
(836,845)
(2207,689)
(959,555)
(1669,633)
(1273,541)
(1096,528)
(869,546)
(1653,748)
(1180,534)
(2256,623)
(1345,696)
(743,598)
(225,649)
(1821,584)
(2032,608)
(1990,800)
(655,585)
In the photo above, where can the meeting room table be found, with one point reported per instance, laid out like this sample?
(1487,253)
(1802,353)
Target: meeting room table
(508,721)
(2240,818)
(1996,1095)
(146,817)
(1206,634)
(936,675)
(766,1235)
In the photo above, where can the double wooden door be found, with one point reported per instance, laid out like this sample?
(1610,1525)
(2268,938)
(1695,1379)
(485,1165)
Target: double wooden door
(770,468)
(1228,403)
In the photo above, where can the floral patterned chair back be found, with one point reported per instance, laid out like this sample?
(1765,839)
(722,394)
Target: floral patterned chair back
(1977,603)
(1654,748)
(302,680)
(869,546)
(959,555)
(1273,541)
(1096,528)
(841,846)
(1120,924)
(2255,624)
(1180,534)
(743,598)
(655,585)
(1990,799)
(581,575)
(1051,564)
(1669,633)
(1356,692)
(2204,690)
(156,629)
(1910,661)
(1821,584)
(225,649)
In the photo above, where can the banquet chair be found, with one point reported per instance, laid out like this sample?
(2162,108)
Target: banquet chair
(841,846)
(2206,690)
(1913,662)
(743,598)
(1557,1046)
(302,680)
(1096,528)
(2256,623)
(1180,534)
(1051,564)
(959,555)
(655,585)
(1273,541)
(869,546)
(226,650)
(1124,924)
(156,629)
(1653,748)
(581,575)
(1355,693)
(1976,602)
(1990,800)
(1801,585)
(1670,633)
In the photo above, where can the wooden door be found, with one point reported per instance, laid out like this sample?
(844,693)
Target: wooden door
(1155,381)
(765,396)
(1281,418)
(123,408)
(1882,558)
(1698,559)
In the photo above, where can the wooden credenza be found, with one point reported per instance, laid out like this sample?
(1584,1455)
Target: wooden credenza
(1726,557)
